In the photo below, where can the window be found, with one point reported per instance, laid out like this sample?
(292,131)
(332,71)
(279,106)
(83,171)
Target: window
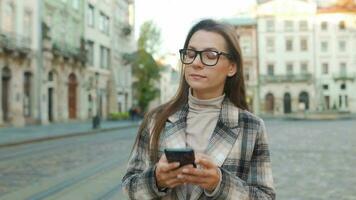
(289,44)
(90,16)
(343,86)
(304,68)
(270,25)
(104,57)
(342,45)
(103,23)
(324,46)
(325,86)
(325,68)
(303,44)
(289,68)
(27,25)
(75,4)
(343,68)
(346,101)
(342,25)
(270,44)
(303,25)
(288,25)
(270,69)
(324,26)
(9,21)
(90,52)
(245,43)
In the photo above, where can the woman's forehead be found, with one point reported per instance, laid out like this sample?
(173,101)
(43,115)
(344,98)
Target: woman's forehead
(207,39)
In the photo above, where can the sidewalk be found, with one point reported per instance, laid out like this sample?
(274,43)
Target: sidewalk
(34,133)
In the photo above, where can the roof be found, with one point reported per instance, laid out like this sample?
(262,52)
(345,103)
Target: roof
(339,6)
(240,21)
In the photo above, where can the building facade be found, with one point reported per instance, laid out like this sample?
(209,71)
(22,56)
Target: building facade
(286,55)
(18,51)
(57,60)
(335,28)
(246,29)
(122,43)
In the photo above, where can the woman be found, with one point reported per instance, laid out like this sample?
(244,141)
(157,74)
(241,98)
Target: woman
(209,114)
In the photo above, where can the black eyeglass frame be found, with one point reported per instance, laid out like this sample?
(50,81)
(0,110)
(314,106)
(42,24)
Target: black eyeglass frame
(219,53)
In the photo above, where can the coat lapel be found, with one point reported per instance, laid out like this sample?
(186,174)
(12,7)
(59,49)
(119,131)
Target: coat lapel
(174,132)
(174,137)
(223,138)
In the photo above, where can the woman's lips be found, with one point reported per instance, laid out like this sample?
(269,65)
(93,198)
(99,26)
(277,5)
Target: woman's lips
(197,76)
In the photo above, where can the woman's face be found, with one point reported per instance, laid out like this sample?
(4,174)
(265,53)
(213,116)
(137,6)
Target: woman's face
(208,81)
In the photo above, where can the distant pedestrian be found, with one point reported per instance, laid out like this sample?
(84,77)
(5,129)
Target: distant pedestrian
(209,115)
(131,114)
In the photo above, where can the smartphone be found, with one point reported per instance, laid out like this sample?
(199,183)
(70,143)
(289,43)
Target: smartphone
(184,156)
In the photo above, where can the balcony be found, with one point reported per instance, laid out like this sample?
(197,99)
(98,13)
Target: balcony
(14,43)
(343,76)
(68,51)
(292,78)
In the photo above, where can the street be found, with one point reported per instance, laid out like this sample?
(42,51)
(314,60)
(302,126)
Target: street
(86,167)
(312,160)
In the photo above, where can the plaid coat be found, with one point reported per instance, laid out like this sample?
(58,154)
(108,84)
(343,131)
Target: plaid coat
(238,146)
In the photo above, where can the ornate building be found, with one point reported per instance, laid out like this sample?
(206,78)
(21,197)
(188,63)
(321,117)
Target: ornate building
(18,53)
(58,59)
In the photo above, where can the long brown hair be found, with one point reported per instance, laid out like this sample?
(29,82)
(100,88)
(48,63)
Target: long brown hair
(234,86)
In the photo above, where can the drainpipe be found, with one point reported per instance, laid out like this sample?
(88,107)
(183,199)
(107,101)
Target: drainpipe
(39,60)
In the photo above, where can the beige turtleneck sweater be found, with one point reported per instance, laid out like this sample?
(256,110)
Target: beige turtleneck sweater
(201,121)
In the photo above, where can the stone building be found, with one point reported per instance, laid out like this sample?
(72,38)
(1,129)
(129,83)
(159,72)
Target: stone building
(58,59)
(18,70)
(246,29)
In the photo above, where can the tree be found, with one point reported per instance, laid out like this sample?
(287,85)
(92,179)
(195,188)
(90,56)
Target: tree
(145,69)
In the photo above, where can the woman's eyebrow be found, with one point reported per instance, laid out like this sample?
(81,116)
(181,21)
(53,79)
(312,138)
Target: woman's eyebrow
(207,48)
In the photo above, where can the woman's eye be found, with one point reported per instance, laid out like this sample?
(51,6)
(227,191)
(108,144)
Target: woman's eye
(211,54)
(190,54)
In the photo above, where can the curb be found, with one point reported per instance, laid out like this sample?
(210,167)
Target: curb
(66,135)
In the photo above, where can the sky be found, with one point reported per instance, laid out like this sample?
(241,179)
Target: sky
(175,17)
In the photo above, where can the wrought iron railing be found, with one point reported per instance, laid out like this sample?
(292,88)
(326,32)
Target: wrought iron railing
(343,76)
(14,42)
(286,78)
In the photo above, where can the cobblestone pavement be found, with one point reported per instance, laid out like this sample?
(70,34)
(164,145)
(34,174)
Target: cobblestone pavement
(87,167)
(312,160)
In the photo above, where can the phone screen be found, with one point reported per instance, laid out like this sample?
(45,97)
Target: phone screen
(184,156)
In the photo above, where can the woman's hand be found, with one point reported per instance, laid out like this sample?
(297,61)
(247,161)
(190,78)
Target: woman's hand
(206,175)
(167,173)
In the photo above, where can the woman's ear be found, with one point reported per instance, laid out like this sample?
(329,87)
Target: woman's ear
(232,70)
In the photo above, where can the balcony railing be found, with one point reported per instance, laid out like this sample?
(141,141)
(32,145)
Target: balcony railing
(343,76)
(69,51)
(286,78)
(11,42)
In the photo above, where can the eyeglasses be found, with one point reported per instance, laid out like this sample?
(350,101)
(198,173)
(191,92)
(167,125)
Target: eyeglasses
(207,57)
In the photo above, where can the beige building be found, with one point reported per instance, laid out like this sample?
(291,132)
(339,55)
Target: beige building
(122,42)
(286,56)
(63,68)
(18,51)
(246,29)
(335,28)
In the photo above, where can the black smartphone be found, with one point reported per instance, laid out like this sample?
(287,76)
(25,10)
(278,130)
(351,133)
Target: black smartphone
(184,156)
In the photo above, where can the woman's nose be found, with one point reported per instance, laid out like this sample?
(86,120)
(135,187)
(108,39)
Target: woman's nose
(197,63)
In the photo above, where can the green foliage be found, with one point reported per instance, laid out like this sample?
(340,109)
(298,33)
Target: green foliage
(118,116)
(145,69)
(150,38)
